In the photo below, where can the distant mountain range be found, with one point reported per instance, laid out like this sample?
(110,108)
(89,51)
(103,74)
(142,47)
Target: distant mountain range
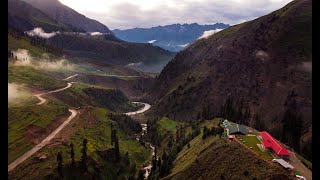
(171,37)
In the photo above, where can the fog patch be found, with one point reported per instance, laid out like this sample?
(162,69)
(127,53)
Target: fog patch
(152,41)
(134,64)
(25,59)
(206,34)
(96,33)
(140,66)
(262,55)
(40,33)
(306,66)
(17,94)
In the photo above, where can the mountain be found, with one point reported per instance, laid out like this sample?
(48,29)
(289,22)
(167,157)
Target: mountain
(99,47)
(141,56)
(171,37)
(257,73)
(61,13)
(25,17)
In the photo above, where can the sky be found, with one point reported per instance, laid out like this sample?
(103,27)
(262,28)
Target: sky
(126,14)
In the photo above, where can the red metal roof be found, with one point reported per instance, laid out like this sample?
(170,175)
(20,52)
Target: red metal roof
(270,142)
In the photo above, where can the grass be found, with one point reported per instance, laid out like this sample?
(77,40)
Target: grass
(15,44)
(214,158)
(187,156)
(98,136)
(22,97)
(252,141)
(166,124)
(33,78)
(92,95)
(307,163)
(20,117)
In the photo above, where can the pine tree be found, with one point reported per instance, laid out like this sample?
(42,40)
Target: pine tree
(72,155)
(126,158)
(141,175)
(111,127)
(159,162)
(60,164)
(116,146)
(84,155)
(133,169)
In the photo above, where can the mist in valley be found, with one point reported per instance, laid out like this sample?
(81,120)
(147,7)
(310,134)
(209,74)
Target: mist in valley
(24,58)
(17,94)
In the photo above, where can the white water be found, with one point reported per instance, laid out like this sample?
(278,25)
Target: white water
(145,108)
(147,168)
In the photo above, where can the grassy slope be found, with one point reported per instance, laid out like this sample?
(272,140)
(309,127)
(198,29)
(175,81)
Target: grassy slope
(165,124)
(24,43)
(24,98)
(187,156)
(20,117)
(92,95)
(213,158)
(34,78)
(98,136)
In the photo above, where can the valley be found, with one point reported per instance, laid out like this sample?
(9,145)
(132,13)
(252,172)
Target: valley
(181,101)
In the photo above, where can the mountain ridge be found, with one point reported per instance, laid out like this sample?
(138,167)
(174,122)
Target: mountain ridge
(62,13)
(172,37)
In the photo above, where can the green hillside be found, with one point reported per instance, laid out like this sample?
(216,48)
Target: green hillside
(93,125)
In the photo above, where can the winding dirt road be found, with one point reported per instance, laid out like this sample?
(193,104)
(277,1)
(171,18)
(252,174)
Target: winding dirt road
(25,156)
(71,77)
(42,143)
(42,100)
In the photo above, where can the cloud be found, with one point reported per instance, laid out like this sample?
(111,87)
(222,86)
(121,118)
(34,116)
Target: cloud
(124,14)
(40,33)
(25,59)
(96,33)
(206,34)
(17,94)
(152,41)
(13,92)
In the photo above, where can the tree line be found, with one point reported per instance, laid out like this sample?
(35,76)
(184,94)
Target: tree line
(161,166)
(83,165)
(212,131)
(35,41)
(125,122)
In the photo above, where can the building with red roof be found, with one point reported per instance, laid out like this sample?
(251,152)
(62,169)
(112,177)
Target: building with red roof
(270,142)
